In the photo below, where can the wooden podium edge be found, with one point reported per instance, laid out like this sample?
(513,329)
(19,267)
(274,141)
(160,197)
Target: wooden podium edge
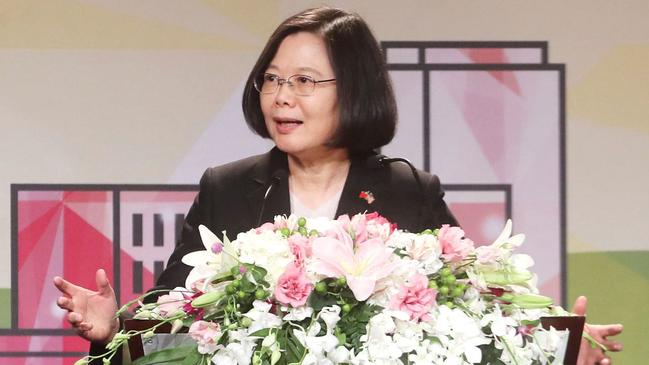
(575,326)
(135,347)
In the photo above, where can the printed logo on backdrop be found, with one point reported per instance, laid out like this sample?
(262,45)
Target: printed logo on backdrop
(486,117)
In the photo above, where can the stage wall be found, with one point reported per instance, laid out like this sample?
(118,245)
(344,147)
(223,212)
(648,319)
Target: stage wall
(111,111)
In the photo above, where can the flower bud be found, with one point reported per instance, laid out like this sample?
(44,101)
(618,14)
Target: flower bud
(176,325)
(269,340)
(531,301)
(507,278)
(207,299)
(274,358)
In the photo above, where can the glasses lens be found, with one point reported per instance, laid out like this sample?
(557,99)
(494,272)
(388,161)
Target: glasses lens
(266,83)
(302,85)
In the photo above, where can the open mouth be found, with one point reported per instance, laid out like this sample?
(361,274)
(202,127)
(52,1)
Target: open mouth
(287,121)
(287,125)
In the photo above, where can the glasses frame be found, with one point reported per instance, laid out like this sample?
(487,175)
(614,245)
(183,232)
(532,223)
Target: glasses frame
(281,81)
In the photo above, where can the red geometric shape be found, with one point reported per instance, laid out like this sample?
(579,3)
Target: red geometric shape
(35,244)
(87,196)
(32,360)
(30,210)
(496,56)
(32,234)
(85,251)
(99,215)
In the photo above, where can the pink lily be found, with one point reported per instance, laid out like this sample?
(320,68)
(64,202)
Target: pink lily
(362,266)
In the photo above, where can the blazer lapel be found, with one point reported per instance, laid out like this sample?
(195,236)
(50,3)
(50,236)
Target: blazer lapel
(265,175)
(364,176)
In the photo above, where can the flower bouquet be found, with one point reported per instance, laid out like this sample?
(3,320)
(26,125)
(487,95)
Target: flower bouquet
(354,290)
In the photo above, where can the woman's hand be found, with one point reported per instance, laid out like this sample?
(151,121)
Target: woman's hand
(91,313)
(587,354)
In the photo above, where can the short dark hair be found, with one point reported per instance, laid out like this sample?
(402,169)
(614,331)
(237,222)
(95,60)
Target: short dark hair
(367,108)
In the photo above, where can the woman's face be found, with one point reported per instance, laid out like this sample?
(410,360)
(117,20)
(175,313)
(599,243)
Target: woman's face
(300,125)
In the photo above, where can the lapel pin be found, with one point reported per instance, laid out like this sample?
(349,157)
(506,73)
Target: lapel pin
(367,195)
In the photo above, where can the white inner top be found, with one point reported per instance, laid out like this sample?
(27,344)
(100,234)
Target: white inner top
(327,209)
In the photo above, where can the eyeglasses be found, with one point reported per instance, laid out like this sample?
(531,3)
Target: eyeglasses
(300,84)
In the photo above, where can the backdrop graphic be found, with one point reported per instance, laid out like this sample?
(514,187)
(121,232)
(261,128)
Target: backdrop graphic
(110,96)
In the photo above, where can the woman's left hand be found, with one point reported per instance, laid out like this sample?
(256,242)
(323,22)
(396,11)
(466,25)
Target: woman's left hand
(600,333)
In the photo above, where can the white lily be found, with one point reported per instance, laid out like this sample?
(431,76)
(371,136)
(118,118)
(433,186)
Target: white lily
(505,237)
(208,263)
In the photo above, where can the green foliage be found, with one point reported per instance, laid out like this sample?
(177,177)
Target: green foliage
(318,301)
(353,324)
(294,351)
(184,355)
(490,355)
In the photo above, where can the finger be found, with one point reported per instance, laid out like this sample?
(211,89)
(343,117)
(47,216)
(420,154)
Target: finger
(602,331)
(75,318)
(613,345)
(103,285)
(65,286)
(65,303)
(604,361)
(84,326)
(579,308)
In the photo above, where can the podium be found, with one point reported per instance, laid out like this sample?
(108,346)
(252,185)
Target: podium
(574,324)
(135,343)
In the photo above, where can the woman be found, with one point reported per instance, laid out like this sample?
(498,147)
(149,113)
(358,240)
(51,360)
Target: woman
(321,92)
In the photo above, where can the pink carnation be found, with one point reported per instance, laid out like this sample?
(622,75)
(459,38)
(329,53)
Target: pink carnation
(379,226)
(206,335)
(415,298)
(293,288)
(454,246)
(300,248)
(376,218)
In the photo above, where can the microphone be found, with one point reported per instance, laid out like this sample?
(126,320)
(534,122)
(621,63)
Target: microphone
(275,179)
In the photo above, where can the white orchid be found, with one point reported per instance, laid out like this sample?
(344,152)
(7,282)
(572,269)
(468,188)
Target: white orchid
(261,317)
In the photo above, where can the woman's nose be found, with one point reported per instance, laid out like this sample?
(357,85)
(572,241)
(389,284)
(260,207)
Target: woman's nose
(284,94)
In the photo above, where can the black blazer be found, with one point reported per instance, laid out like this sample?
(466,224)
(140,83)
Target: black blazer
(231,199)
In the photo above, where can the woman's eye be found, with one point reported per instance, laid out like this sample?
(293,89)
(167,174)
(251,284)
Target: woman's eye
(270,78)
(303,79)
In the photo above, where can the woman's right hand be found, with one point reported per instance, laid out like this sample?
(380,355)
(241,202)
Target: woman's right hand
(91,313)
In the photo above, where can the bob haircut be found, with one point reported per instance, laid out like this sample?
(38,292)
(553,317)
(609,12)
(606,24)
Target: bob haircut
(367,108)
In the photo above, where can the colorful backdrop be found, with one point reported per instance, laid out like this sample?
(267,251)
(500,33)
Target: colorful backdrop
(110,111)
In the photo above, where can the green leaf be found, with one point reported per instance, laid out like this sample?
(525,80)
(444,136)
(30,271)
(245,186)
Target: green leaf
(193,358)
(295,349)
(175,354)
(353,324)
(259,273)
(246,285)
(261,333)
(490,355)
(317,301)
